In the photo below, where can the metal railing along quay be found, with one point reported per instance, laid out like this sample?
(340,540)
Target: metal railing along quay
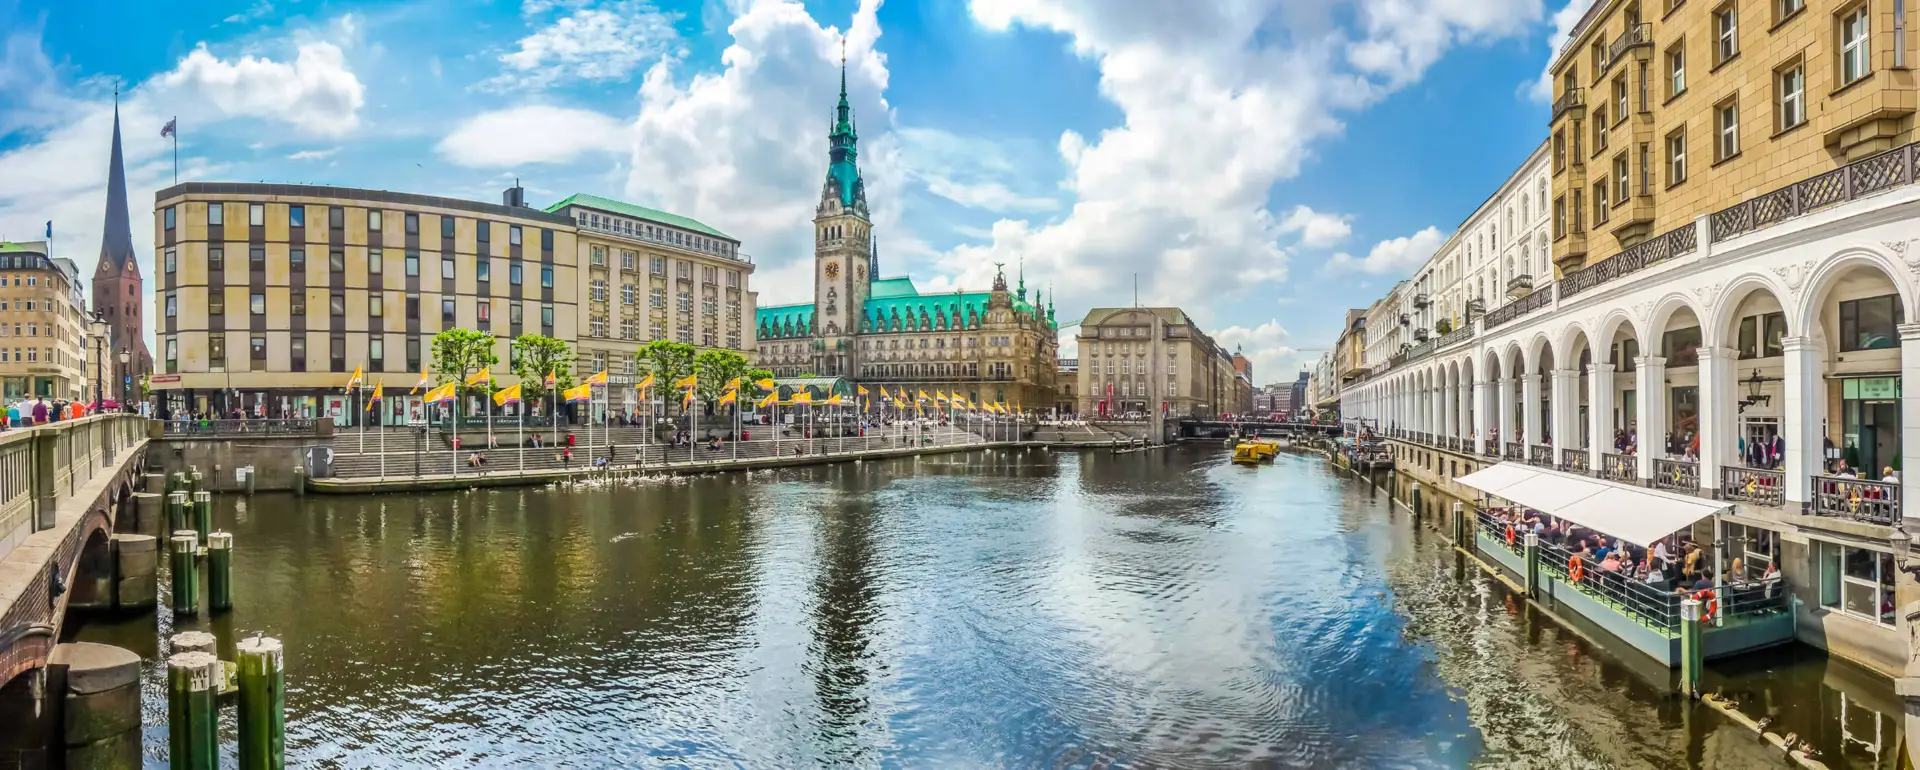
(259,427)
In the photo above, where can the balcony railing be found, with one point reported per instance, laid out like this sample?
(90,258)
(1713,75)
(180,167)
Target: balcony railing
(1420,335)
(1573,460)
(1492,449)
(1519,285)
(1518,307)
(257,427)
(1515,452)
(1676,475)
(1635,36)
(1618,468)
(1752,485)
(1860,178)
(1567,101)
(1421,300)
(1678,242)
(1405,319)
(1875,502)
(1540,455)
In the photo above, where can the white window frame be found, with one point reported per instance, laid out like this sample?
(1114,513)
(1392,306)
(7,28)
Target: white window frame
(1676,71)
(1792,102)
(1727,130)
(1676,158)
(1726,33)
(1855,49)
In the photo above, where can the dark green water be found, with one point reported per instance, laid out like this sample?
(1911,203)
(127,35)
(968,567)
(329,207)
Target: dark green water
(993,609)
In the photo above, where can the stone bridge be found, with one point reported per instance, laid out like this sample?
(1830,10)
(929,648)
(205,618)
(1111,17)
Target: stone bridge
(63,487)
(1197,428)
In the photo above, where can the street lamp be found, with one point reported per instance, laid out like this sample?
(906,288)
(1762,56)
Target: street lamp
(125,357)
(98,328)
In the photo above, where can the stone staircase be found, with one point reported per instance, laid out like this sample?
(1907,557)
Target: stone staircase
(1077,435)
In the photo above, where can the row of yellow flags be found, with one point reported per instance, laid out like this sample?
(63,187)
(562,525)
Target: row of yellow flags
(584,392)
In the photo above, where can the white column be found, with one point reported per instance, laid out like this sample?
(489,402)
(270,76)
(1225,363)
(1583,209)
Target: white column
(1465,397)
(1530,410)
(1483,392)
(1599,412)
(1651,385)
(1506,412)
(1566,405)
(1436,404)
(1909,408)
(1803,415)
(1718,403)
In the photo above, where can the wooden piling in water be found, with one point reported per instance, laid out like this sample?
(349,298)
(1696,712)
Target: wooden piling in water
(263,703)
(193,724)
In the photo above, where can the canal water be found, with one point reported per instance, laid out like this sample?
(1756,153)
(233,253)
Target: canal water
(989,609)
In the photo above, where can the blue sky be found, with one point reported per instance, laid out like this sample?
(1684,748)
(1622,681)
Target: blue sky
(1263,164)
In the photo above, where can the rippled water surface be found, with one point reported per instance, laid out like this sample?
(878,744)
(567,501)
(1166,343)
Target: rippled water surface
(993,609)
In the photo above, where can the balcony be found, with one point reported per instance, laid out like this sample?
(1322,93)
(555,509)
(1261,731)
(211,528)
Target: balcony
(1517,308)
(1676,476)
(1752,485)
(1420,335)
(1574,461)
(1867,176)
(1678,242)
(1874,502)
(1540,455)
(1519,286)
(1405,319)
(1633,221)
(1619,468)
(1422,301)
(1569,100)
(1638,36)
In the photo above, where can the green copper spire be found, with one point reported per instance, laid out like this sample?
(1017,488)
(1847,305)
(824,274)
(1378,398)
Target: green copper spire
(843,171)
(1023,278)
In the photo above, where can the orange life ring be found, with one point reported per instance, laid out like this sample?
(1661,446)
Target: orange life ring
(1575,570)
(1713,604)
(1509,535)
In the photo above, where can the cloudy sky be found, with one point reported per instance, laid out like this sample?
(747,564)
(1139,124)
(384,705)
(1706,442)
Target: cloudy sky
(1263,164)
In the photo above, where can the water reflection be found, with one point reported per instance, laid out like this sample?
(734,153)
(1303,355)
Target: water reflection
(977,610)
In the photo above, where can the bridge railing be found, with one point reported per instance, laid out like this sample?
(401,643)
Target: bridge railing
(226,428)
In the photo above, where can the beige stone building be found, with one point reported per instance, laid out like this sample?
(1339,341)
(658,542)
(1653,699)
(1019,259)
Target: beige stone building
(43,325)
(1666,110)
(1125,367)
(650,275)
(270,295)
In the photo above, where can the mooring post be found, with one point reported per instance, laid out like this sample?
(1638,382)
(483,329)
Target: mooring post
(219,571)
(1459,523)
(186,579)
(1416,501)
(203,514)
(177,511)
(1533,565)
(177,482)
(153,483)
(300,479)
(193,724)
(1690,653)
(263,703)
(195,481)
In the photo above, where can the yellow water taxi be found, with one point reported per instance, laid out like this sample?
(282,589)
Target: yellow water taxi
(1255,451)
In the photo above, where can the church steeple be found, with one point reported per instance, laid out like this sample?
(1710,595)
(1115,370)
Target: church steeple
(116,242)
(843,139)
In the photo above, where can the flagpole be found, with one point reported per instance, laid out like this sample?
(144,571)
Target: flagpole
(520,435)
(647,436)
(383,441)
(454,412)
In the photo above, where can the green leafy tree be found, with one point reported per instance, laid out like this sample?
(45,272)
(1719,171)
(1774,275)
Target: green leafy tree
(536,356)
(459,353)
(668,362)
(716,368)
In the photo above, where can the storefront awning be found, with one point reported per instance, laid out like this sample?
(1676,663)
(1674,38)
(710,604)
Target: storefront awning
(1634,514)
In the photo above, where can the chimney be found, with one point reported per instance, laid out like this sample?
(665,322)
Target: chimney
(515,196)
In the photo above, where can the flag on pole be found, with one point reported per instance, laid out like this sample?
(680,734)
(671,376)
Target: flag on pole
(770,400)
(354,381)
(863,390)
(579,393)
(424,380)
(687,381)
(686,401)
(507,395)
(923,396)
(833,400)
(766,384)
(733,384)
(598,379)
(644,384)
(440,395)
(49,229)
(168,129)
(729,397)
(376,395)
(481,377)
(803,397)
(550,379)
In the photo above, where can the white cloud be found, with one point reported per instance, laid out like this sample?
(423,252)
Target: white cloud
(966,170)
(1264,345)
(1317,230)
(594,42)
(1404,37)
(316,93)
(314,154)
(990,196)
(1392,257)
(532,134)
(1541,88)
(260,10)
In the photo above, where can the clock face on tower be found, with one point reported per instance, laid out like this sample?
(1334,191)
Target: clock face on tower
(833,270)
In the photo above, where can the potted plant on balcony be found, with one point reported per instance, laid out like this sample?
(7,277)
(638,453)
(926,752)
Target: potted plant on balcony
(1443,326)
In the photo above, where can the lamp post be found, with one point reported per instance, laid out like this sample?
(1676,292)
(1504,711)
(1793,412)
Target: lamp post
(125,357)
(98,328)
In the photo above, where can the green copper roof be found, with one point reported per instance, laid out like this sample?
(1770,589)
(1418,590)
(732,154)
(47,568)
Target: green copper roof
(7,247)
(637,212)
(785,320)
(893,287)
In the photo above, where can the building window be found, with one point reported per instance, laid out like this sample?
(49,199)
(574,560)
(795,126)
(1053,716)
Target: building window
(337,261)
(446,313)
(483,310)
(657,297)
(336,217)
(1857,581)
(257,349)
(1600,208)
(658,266)
(413,354)
(1791,85)
(1726,33)
(296,216)
(373,220)
(483,232)
(173,306)
(257,214)
(1677,156)
(686,302)
(172,261)
(376,354)
(216,351)
(1620,104)
(216,302)
(1761,336)
(1785,9)
(297,261)
(1853,45)
(515,314)
(546,240)
(446,268)
(513,273)
(216,260)
(376,305)
(297,304)
(1599,129)
(413,307)
(546,317)
(597,255)
(1727,119)
(513,235)
(257,258)
(546,276)
(375,262)
(1622,181)
(413,224)
(627,293)
(413,264)
(337,354)
(483,270)
(628,260)
(257,304)
(1871,323)
(597,290)
(337,304)
(216,214)
(446,226)
(597,326)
